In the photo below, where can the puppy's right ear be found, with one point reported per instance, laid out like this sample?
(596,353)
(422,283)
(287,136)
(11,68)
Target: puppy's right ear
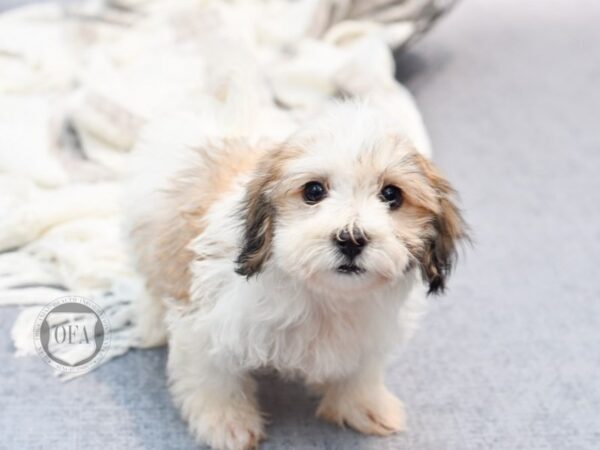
(259,220)
(449,228)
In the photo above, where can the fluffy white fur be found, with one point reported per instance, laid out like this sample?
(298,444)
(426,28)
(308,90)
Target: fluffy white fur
(291,309)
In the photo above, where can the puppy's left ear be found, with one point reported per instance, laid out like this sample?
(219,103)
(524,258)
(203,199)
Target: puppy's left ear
(449,227)
(259,218)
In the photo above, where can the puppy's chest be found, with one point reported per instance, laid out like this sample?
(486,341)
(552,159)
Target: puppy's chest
(322,345)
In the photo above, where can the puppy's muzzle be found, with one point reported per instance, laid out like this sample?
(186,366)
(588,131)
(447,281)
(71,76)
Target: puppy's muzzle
(351,243)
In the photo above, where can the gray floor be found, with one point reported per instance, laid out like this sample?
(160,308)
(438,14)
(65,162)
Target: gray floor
(510,358)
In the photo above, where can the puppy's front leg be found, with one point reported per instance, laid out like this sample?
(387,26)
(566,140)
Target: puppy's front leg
(219,406)
(363,402)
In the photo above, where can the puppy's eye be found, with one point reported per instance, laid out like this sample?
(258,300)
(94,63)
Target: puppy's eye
(313,192)
(392,195)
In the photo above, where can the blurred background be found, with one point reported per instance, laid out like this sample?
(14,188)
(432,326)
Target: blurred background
(510,357)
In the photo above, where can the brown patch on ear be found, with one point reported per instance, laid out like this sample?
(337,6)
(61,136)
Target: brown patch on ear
(161,241)
(440,252)
(260,212)
(258,229)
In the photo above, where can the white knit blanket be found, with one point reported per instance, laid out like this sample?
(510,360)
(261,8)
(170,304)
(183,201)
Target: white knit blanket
(77,84)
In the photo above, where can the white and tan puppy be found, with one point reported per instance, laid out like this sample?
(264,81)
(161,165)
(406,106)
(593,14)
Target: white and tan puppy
(311,257)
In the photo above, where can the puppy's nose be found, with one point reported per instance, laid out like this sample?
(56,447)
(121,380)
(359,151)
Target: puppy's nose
(351,244)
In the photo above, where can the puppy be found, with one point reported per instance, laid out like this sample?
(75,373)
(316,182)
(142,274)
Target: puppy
(311,257)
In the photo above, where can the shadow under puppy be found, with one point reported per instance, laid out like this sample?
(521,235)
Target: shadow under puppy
(312,257)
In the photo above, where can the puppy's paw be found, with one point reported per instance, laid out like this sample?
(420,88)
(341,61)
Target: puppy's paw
(375,411)
(150,328)
(230,429)
(151,335)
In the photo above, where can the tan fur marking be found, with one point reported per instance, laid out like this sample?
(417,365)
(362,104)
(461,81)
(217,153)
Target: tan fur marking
(162,246)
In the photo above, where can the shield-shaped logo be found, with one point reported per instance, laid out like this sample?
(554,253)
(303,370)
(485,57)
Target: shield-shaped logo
(71,337)
(71,333)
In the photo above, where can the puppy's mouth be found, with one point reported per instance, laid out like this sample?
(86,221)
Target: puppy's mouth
(350,269)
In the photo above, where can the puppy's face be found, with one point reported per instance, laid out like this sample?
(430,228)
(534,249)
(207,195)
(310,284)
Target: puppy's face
(348,205)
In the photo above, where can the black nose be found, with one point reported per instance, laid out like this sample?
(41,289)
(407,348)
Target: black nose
(351,244)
